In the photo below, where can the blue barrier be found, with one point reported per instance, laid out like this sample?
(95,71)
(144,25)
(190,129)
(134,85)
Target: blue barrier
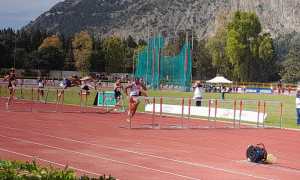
(259,90)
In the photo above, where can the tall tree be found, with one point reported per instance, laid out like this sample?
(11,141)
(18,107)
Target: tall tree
(82,50)
(114,54)
(291,68)
(249,52)
(202,62)
(216,46)
(97,59)
(51,54)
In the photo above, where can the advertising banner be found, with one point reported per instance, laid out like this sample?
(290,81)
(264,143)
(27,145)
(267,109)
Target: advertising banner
(249,116)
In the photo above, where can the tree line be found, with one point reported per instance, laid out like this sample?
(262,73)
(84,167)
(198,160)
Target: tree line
(83,52)
(239,50)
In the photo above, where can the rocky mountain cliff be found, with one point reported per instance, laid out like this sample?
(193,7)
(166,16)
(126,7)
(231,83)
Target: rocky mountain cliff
(138,17)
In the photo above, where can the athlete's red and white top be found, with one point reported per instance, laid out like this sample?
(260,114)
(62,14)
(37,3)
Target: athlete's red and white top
(135,89)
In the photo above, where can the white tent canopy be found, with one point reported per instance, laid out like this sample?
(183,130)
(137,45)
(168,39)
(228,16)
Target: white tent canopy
(220,80)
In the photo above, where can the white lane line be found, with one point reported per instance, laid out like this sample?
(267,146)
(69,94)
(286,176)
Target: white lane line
(100,157)
(48,161)
(201,165)
(273,166)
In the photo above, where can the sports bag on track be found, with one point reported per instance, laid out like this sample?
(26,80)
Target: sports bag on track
(257,154)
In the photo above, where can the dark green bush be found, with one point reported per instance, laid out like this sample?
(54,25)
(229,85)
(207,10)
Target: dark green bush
(16,170)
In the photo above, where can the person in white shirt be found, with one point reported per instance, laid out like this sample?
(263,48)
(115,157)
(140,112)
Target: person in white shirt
(198,93)
(41,85)
(298,105)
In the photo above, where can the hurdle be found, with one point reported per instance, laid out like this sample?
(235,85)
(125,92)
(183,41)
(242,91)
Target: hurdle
(153,116)
(25,100)
(219,113)
(176,123)
(50,98)
(67,107)
(164,112)
(18,104)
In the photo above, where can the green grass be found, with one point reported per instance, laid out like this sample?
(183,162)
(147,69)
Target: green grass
(250,102)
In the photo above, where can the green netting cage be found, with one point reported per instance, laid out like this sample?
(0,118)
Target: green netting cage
(157,69)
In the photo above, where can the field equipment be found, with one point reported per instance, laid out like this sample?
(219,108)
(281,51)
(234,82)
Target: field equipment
(157,69)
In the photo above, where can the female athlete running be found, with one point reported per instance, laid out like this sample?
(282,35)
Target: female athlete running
(135,91)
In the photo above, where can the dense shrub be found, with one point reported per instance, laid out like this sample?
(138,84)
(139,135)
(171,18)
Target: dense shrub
(15,170)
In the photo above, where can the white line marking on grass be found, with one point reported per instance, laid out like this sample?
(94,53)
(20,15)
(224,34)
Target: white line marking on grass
(51,162)
(99,157)
(201,165)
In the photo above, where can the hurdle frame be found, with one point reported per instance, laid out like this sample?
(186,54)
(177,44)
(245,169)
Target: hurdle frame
(185,116)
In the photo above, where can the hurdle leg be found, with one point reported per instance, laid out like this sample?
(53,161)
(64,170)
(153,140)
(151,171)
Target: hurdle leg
(57,100)
(62,101)
(160,105)
(182,111)
(22,92)
(216,109)
(129,114)
(153,113)
(46,98)
(209,110)
(264,113)
(86,102)
(80,94)
(32,100)
(234,113)
(281,114)
(258,113)
(38,94)
(189,108)
(241,110)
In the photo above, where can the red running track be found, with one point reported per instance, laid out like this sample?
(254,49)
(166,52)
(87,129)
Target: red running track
(94,143)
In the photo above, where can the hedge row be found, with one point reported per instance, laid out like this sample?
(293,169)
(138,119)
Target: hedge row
(16,170)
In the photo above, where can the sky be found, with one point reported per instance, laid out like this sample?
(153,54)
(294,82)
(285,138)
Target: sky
(18,13)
